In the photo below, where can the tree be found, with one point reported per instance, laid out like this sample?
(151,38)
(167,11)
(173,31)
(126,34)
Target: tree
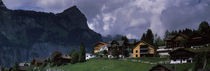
(143,37)
(167,33)
(149,37)
(125,39)
(203,27)
(135,41)
(126,45)
(15,67)
(75,58)
(55,56)
(200,60)
(115,53)
(105,52)
(82,53)
(72,51)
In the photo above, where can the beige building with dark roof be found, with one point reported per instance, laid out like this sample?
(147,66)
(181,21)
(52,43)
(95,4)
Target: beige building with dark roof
(143,49)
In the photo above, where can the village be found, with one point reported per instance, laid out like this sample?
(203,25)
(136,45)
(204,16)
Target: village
(178,48)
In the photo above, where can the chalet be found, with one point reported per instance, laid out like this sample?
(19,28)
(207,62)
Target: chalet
(179,40)
(23,66)
(100,46)
(160,67)
(185,41)
(39,61)
(65,59)
(143,49)
(119,47)
(62,60)
(59,59)
(181,56)
(89,56)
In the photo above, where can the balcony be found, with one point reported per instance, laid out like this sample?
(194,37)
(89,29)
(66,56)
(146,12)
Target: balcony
(144,52)
(143,48)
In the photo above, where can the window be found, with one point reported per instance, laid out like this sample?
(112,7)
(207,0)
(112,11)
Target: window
(136,51)
(136,55)
(150,51)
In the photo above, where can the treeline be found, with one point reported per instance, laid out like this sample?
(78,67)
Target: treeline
(152,39)
(78,56)
(202,31)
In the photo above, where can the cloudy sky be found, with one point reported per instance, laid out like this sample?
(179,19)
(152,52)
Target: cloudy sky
(128,17)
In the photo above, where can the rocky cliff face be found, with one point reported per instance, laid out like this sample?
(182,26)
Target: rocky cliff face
(21,32)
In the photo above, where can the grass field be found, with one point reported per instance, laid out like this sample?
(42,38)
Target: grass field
(106,65)
(117,65)
(202,49)
(151,59)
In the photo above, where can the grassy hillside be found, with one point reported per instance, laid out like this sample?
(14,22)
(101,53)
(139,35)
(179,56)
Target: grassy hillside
(106,65)
(118,65)
(151,59)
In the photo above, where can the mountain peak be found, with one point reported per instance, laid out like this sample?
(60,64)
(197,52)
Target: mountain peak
(72,9)
(2,4)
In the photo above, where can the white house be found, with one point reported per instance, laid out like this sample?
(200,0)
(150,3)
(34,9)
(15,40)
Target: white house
(89,56)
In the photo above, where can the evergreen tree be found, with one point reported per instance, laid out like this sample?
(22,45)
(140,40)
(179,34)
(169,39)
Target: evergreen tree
(15,68)
(134,41)
(75,58)
(126,41)
(200,60)
(72,51)
(167,33)
(143,37)
(82,53)
(149,37)
(203,27)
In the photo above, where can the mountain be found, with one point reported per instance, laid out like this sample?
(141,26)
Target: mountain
(25,35)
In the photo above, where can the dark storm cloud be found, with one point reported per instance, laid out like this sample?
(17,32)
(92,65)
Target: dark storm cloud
(186,14)
(128,17)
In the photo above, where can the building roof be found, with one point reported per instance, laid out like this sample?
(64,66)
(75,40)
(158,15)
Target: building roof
(181,53)
(173,37)
(40,60)
(120,43)
(22,68)
(145,43)
(159,65)
(97,45)
(66,57)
